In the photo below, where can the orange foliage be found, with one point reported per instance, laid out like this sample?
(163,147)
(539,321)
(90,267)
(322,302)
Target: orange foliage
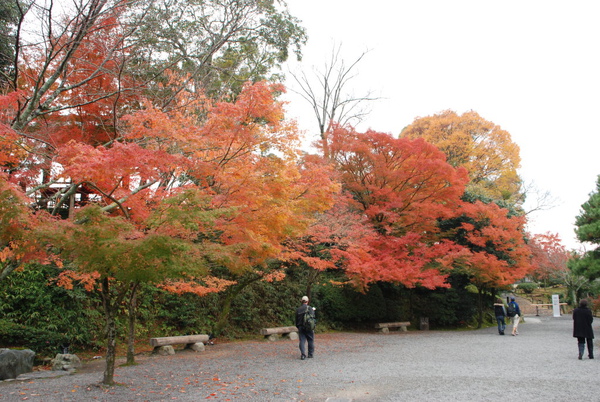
(211,285)
(402,185)
(18,244)
(12,151)
(496,252)
(88,280)
(480,146)
(549,255)
(400,188)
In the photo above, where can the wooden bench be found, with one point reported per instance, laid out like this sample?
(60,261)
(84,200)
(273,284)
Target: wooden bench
(273,334)
(537,305)
(384,327)
(187,340)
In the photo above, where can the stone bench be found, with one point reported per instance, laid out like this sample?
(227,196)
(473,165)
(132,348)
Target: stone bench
(274,334)
(384,327)
(164,346)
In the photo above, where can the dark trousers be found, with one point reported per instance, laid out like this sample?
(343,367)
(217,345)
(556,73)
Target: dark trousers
(306,336)
(501,323)
(590,346)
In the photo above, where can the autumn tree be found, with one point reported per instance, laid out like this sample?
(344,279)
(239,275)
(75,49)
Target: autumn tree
(338,239)
(549,257)
(553,263)
(403,187)
(172,197)
(494,253)
(480,146)
(146,192)
(18,244)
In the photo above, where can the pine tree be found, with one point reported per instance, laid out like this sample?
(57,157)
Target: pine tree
(588,230)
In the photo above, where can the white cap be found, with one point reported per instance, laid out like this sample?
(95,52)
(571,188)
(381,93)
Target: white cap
(304,298)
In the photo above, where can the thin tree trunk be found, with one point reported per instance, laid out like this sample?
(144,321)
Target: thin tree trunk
(132,307)
(480,306)
(7,269)
(111,334)
(313,278)
(226,305)
(111,300)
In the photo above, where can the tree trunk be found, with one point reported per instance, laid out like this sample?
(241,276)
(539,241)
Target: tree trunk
(132,307)
(111,334)
(226,305)
(7,269)
(313,277)
(111,300)
(325,142)
(480,306)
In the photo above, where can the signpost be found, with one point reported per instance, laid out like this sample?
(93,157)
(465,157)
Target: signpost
(555,306)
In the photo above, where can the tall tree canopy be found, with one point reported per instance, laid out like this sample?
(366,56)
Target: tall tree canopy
(219,44)
(402,186)
(480,146)
(10,15)
(148,190)
(588,231)
(549,257)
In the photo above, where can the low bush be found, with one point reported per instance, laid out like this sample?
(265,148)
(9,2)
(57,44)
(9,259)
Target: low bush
(527,287)
(41,341)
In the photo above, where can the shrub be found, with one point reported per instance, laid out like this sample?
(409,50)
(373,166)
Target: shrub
(527,287)
(41,311)
(41,341)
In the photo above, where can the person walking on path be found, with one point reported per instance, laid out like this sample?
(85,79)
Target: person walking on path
(515,313)
(305,314)
(582,328)
(500,313)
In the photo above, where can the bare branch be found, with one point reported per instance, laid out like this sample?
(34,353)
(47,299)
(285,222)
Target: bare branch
(542,200)
(326,92)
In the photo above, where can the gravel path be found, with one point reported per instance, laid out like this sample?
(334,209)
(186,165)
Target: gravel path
(540,364)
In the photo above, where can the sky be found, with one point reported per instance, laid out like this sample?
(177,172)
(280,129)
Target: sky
(531,67)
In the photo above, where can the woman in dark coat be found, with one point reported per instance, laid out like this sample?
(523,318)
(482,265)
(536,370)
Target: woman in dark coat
(582,328)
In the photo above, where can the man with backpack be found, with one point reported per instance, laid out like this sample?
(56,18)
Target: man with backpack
(305,322)
(514,312)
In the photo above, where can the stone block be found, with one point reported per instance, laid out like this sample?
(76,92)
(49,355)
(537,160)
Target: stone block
(66,362)
(15,362)
(165,350)
(198,347)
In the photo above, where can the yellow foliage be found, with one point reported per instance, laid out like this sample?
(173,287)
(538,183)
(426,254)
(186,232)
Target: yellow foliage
(482,147)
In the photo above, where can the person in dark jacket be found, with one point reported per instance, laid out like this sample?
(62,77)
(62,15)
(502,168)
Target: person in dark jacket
(500,313)
(305,335)
(582,328)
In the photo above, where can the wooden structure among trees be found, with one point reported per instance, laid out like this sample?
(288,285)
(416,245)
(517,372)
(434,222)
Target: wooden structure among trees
(384,327)
(273,333)
(187,340)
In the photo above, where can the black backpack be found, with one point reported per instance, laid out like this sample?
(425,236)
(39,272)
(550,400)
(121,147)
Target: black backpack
(511,310)
(309,321)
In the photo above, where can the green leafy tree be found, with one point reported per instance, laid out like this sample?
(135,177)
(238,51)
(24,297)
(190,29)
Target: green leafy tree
(218,44)
(588,231)
(11,12)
